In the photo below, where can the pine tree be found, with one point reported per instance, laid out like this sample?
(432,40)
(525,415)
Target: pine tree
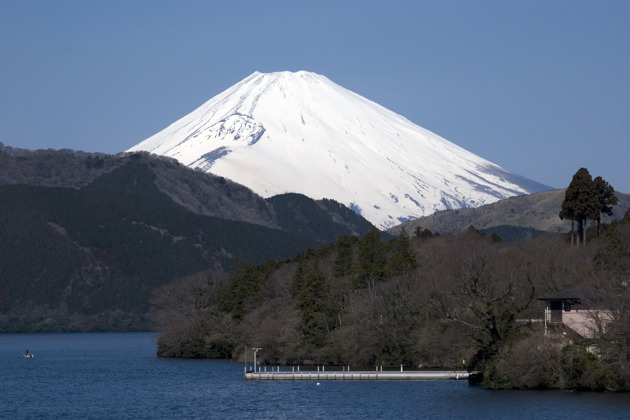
(372,259)
(342,265)
(309,290)
(606,197)
(582,200)
(402,258)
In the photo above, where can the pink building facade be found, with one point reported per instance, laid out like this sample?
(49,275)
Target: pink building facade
(584,310)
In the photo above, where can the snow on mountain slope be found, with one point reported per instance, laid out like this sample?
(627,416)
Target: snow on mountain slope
(300,132)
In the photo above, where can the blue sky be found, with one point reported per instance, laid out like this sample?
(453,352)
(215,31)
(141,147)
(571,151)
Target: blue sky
(540,88)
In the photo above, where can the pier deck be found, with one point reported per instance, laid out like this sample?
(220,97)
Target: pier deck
(347,375)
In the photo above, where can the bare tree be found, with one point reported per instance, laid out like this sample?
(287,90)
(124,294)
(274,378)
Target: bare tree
(485,289)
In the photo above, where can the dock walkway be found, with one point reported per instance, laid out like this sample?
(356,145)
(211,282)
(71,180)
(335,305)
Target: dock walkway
(348,375)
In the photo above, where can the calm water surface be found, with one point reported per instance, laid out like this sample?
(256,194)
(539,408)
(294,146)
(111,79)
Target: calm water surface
(117,376)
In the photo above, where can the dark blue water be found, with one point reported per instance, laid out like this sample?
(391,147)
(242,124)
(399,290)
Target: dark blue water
(117,376)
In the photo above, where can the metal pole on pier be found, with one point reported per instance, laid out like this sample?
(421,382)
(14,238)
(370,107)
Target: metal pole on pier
(255,351)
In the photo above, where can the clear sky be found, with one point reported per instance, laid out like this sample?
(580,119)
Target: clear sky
(540,88)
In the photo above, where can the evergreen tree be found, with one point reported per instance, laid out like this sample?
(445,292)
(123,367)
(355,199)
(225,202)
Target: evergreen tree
(606,197)
(581,201)
(403,258)
(343,261)
(242,293)
(423,233)
(309,290)
(372,259)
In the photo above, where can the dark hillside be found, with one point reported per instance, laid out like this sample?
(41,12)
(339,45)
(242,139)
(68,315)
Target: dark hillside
(107,246)
(300,214)
(199,192)
(89,258)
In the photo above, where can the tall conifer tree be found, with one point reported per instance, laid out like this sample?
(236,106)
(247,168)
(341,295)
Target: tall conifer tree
(606,197)
(586,199)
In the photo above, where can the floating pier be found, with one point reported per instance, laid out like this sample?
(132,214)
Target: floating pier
(277,374)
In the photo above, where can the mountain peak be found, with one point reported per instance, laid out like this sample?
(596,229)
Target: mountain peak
(300,132)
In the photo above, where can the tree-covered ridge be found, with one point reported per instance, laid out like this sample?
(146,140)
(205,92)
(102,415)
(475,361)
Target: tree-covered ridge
(298,213)
(431,300)
(88,258)
(199,192)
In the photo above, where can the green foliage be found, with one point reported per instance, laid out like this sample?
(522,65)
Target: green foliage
(605,196)
(310,290)
(580,201)
(402,258)
(343,264)
(586,199)
(372,260)
(243,292)
(585,371)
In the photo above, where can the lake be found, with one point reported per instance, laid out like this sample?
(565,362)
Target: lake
(118,376)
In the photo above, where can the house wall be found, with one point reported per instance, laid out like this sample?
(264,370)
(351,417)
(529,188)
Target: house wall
(583,321)
(586,322)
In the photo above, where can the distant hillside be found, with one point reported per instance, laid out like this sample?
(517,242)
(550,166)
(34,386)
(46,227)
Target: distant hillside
(300,214)
(86,238)
(201,193)
(534,212)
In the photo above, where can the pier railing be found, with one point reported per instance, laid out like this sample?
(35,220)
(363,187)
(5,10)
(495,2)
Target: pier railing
(284,373)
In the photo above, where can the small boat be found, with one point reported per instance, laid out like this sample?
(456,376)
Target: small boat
(28,355)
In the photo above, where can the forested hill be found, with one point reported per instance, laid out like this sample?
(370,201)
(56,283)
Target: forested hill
(199,192)
(428,300)
(85,239)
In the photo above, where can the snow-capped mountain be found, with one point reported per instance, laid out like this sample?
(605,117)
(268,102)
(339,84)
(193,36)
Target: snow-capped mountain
(300,132)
